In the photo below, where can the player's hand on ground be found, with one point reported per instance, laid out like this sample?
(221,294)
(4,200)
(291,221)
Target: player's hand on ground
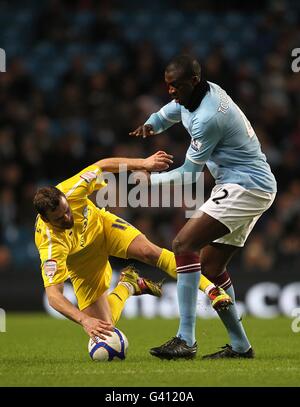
(96,328)
(143,131)
(159,161)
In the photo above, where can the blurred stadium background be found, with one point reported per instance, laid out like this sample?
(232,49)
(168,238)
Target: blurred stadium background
(81,74)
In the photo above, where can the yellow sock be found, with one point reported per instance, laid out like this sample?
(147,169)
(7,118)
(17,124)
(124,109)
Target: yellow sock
(205,283)
(167,263)
(117,299)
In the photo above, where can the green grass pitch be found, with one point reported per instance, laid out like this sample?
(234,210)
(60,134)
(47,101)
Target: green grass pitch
(38,350)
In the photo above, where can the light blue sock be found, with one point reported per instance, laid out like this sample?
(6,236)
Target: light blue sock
(187,293)
(231,320)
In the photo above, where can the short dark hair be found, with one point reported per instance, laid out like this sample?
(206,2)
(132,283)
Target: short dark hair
(46,198)
(187,64)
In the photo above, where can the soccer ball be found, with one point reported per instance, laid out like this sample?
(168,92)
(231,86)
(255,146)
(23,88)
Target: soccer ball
(112,348)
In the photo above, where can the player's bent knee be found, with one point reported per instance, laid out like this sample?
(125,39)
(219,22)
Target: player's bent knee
(211,271)
(179,247)
(150,254)
(143,250)
(176,246)
(146,254)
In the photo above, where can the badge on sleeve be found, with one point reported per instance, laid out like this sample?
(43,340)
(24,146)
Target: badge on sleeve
(196,145)
(50,268)
(88,176)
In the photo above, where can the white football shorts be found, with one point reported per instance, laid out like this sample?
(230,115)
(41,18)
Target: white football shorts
(238,209)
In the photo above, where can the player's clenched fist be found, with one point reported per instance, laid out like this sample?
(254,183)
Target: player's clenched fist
(159,161)
(144,131)
(96,328)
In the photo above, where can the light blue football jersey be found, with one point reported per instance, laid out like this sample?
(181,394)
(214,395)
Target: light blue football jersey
(222,138)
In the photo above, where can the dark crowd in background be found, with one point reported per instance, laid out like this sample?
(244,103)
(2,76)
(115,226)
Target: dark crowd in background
(82,74)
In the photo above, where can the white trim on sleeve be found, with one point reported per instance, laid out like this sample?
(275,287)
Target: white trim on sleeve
(78,183)
(74,187)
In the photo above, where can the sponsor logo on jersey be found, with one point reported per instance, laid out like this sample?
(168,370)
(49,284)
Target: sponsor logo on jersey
(196,145)
(85,214)
(224,101)
(88,176)
(50,268)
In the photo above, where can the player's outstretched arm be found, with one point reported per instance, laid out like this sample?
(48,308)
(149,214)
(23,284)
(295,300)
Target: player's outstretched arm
(93,327)
(144,131)
(159,161)
(159,121)
(188,173)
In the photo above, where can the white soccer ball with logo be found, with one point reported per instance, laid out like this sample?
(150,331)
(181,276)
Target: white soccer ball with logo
(112,348)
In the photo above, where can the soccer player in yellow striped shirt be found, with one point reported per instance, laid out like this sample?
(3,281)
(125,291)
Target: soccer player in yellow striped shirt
(75,240)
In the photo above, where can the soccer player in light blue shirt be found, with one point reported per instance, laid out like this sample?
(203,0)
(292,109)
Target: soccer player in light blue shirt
(222,139)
